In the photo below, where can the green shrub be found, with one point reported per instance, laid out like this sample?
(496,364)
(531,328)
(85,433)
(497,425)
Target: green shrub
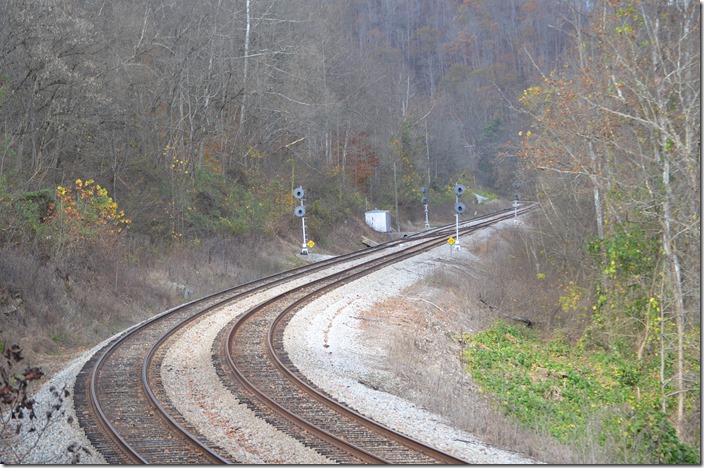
(558,388)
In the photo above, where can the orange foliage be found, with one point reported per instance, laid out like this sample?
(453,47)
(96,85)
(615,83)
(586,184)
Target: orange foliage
(363,159)
(85,212)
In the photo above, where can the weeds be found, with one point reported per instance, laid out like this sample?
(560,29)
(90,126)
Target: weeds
(560,390)
(23,417)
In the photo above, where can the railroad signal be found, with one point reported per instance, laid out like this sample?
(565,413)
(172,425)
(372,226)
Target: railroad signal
(459,209)
(300,211)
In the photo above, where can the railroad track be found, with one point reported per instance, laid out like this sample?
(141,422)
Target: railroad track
(122,407)
(252,355)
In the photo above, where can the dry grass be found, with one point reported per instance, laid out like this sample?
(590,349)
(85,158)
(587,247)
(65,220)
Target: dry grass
(57,308)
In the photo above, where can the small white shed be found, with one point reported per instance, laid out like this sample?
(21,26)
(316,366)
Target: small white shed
(379,220)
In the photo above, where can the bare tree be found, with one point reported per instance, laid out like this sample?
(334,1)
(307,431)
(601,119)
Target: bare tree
(624,118)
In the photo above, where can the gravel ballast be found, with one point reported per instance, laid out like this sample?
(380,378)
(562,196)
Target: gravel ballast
(326,341)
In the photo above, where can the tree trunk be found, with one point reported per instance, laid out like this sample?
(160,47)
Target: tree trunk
(675,274)
(245,70)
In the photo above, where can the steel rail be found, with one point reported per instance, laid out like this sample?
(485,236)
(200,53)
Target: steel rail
(93,403)
(277,328)
(220,298)
(93,399)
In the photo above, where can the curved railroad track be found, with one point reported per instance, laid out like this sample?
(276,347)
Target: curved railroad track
(121,405)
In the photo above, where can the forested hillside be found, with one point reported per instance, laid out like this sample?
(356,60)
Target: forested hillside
(144,97)
(149,149)
(135,133)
